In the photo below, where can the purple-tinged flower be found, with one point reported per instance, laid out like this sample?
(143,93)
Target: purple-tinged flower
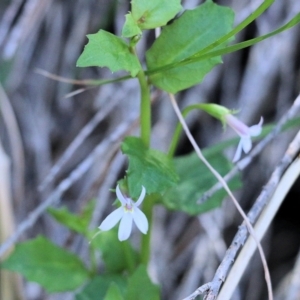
(127,213)
(244,132)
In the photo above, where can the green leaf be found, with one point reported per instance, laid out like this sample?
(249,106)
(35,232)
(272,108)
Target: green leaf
(97,288)
(254,15)
(107,50)
(54,268)
(112,251)
(113,293)
(140,286)
(182,39)
(150,14)
(130,27)
(78,223)
(195,180)
(200,56)
(151,168)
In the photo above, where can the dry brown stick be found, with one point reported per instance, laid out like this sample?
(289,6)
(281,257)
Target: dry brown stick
(65,184)
(242,164)
(242,234)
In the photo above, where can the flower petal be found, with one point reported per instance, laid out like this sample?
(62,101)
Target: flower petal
(120,196)
(112,219)
(125,226)
(238,126)
(140,220)
(255,130)
(246,144)
(238,152)
(142,196)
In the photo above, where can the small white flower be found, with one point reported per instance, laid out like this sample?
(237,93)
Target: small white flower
(244,132)
(127,213)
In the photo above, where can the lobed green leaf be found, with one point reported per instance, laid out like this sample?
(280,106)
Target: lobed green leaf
(107,50)
(147,14)
(54,268)
(147,167)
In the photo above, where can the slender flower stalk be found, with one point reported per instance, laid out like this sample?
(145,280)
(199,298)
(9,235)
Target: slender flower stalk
(127,213)
(244,132)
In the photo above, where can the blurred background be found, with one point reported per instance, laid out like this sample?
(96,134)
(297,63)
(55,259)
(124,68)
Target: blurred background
(41,117)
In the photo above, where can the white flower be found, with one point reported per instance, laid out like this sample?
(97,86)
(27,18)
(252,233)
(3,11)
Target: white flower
(127,213)
(244,132)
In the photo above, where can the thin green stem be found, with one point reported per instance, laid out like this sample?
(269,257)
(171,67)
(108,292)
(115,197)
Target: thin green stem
(145,108)
(145,123)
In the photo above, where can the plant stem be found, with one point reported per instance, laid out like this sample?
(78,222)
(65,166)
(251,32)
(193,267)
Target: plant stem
(145,123)
(145,108)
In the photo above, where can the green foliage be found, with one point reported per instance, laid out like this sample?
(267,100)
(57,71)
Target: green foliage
(130,27)
(150,168)
(183,39)
(107,50)
(113,292)
(140,286)
(112,252)
(195,180)
(229,49)
(77,223)
(54,268)
(147,14)
(98,287)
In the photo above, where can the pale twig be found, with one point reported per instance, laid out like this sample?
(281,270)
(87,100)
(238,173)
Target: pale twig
(16,145)
(66,80)
(80,138)
(220,178)
(93,82)
(65,184)
(242,164)
(200,290)
(10,284)
(282,185)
